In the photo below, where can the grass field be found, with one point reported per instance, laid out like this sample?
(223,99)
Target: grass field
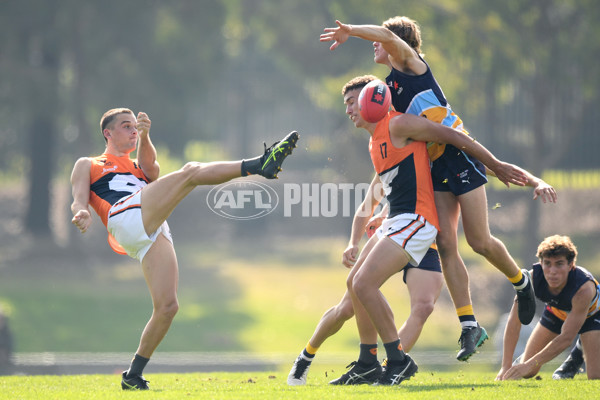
(272,385)
(231,303)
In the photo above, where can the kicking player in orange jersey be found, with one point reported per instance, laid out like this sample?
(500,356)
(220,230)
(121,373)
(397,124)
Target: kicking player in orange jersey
(134,204)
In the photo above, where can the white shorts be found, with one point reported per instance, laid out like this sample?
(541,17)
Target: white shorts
(126,226)
(412,232)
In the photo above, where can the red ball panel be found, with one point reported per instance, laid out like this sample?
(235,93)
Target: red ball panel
(374,101)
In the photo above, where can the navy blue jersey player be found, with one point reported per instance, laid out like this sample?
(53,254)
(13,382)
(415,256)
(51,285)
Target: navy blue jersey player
(572,306)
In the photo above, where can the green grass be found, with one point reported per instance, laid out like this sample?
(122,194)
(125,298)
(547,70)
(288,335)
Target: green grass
(272,385)
(229,303)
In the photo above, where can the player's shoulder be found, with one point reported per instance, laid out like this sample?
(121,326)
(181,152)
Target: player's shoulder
(83,162)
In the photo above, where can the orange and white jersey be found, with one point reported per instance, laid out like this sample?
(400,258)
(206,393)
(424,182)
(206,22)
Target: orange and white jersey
(111,179)
(404,172)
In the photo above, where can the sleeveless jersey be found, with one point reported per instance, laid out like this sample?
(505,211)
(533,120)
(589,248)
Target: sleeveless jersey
(111,179)
(560,305)
(421,95)
(404,172)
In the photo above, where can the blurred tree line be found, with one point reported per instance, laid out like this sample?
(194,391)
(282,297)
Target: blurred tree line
(224,75)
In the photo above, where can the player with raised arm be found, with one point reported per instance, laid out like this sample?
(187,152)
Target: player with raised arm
(458,178)
(134,203)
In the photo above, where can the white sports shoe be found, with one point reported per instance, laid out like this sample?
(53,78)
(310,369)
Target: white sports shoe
(297,376)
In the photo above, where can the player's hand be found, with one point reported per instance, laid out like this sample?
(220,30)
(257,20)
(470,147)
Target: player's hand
(519,371)
(509,173)
(349,256)
(374,223)
(82,220)
(339,35)
(143,124)
(545,191)
(500,376)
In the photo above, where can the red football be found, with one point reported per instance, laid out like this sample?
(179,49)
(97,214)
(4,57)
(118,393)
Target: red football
(374,101)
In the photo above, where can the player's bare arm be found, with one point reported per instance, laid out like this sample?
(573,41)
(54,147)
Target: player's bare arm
(407,126)
(541,188)
(146,152)
(80,186)
(575,319)
(361,217)
(512,331)
(400,54)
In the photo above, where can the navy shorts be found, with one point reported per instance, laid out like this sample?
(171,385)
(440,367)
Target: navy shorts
(554,324)
(430,262)
(457,172)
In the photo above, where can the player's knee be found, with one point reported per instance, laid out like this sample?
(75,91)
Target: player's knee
(349,283)
(480,245)
(345,311)
(422,310)
(446,244)
(168,310)
(360,286)
(191,166)
(193,169)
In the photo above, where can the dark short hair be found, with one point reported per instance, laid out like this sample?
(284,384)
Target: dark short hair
(358,82)
(556,246)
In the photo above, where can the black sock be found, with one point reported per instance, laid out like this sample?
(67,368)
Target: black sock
(251,166)
(368,354)
(394,351)
(137,365)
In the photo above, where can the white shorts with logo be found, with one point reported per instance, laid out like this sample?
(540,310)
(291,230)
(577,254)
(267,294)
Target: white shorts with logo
(126,226)
(412,232)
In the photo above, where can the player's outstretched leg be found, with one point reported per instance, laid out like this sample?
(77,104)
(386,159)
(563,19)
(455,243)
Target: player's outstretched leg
(269,164)
(470,339)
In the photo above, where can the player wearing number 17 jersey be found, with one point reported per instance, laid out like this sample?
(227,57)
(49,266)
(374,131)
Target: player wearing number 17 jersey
(458,178)
(405,174)
(399,154)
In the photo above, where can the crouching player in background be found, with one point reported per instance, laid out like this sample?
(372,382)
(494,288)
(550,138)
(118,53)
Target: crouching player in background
(572,302)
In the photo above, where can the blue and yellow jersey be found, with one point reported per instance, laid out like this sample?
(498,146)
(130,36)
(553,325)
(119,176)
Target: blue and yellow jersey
(560,304)
(421,95)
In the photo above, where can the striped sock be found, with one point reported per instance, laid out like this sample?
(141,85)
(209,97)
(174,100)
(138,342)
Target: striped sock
(519,281)
(310,351)
(466,316)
